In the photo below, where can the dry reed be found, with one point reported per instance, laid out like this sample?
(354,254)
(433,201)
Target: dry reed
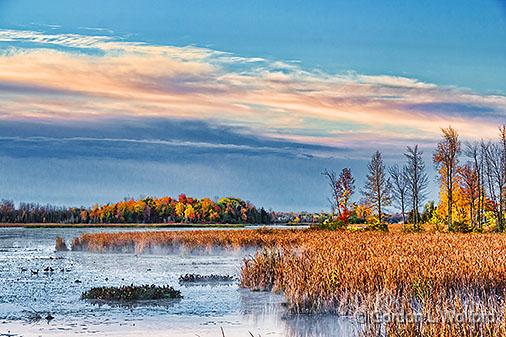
(192,241)
(398,284)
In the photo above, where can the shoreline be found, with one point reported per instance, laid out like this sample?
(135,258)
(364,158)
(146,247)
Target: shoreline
(112,225)
(150,225)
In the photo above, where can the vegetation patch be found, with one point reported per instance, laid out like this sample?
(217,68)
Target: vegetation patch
(131,293)
(60,245)
(196,278)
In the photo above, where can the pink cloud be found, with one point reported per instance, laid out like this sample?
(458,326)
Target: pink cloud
(135,79)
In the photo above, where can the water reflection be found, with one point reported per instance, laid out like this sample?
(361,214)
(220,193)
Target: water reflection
(135,304)
(270,310)
(319,326)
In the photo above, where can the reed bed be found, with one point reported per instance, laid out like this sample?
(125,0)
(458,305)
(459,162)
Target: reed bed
(197,241)
(390,284)
(395,284)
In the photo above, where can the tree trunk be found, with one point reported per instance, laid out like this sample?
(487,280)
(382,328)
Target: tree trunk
(471,218)
(450,201)
(402,210)
(379,210)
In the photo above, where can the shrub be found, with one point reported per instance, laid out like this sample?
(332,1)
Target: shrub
(378,226)
(331,224)
(461,227)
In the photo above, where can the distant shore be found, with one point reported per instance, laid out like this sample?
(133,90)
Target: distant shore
(120,225)
(137,225)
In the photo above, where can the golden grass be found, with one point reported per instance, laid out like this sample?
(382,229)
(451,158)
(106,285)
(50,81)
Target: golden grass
(444,283)
(399,284)
(195,240)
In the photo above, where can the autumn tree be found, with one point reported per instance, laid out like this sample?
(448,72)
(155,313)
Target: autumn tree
(399,188)
(189,213)
(363,211)
(417,181)
(446,158)
(179,209)
(342,188)
(469,183)
(378,187)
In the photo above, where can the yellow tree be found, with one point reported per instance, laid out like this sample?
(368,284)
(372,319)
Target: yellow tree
(180,209)
(207,207)
(460,204)
(446,160)
(189,213)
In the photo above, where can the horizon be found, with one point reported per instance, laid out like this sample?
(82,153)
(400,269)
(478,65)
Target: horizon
(251,100)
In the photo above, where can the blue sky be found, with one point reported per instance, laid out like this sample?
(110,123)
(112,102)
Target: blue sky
(445,42)
(102,100)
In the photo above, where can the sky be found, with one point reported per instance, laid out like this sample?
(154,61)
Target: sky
(105,100)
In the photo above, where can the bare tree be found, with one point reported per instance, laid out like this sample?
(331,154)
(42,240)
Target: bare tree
(378,187)
(332,181)
(502,142)
(495,171)
(417,181)
(446,158)
(342,190)
(475,151)
(399,188)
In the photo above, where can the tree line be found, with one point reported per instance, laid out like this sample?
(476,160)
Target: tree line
(472,187)
(146,210)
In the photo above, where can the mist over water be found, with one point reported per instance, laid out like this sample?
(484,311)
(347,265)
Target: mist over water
(203,310)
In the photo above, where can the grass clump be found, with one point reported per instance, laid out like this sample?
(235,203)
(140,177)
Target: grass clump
(131,293)
(60,245)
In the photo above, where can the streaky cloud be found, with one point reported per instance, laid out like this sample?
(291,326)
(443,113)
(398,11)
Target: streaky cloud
(47,78)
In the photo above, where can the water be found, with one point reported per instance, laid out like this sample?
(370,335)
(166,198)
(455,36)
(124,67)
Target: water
(203,311)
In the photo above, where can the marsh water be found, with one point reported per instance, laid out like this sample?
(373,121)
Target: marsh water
(26,297)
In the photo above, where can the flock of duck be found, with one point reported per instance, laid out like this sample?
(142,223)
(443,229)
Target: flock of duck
(47,270)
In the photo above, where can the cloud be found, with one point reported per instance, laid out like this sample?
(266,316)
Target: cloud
(76,79)
(146,139)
